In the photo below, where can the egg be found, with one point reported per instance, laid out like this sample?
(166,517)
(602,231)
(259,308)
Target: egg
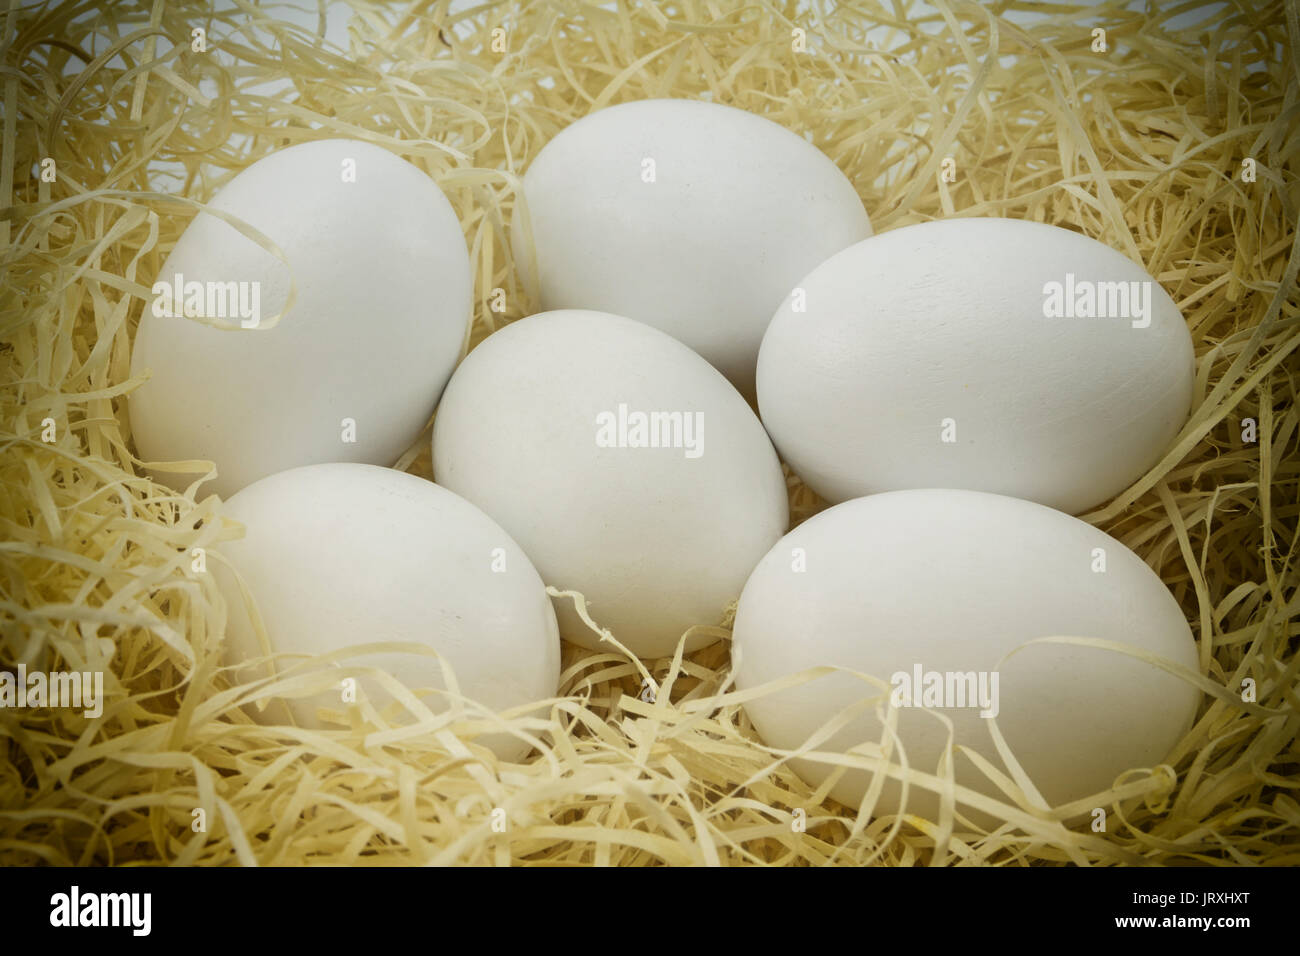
(693,217)
(354,369)
(340,554)
(624,464)
(990,354)
(907,585)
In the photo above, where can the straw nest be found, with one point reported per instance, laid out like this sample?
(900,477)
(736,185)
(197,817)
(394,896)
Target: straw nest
(1176,146)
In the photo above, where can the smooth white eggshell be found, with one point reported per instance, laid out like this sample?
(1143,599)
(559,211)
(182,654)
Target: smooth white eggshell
(336,555)
(944,321)
(739,209)
(656,541)
(954,580)
(382,305)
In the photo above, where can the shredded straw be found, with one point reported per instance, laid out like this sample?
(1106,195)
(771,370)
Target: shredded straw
(1177,147)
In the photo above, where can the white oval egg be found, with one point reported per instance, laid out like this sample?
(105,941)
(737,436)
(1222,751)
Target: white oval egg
(924,358)
(693,217)
(948,582)
(625,466)
(353,371)
(342,554)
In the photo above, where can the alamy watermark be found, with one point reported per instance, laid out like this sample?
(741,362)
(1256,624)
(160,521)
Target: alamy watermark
(75,908)
(631,429)
(208,300)
(1085,299)
(945,689)
(56,689)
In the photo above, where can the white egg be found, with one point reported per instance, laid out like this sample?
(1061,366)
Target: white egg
(625,466)
(925,357)
(947,582)
(693,217)
(354,370)
(341,554)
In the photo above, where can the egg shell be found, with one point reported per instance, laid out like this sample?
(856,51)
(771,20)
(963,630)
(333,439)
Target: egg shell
(953,581)
(924,359)
(381,311)
(657,539)
(738,209)
(336,555)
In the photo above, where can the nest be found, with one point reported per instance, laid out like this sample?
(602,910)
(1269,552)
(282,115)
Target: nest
(1175,144)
